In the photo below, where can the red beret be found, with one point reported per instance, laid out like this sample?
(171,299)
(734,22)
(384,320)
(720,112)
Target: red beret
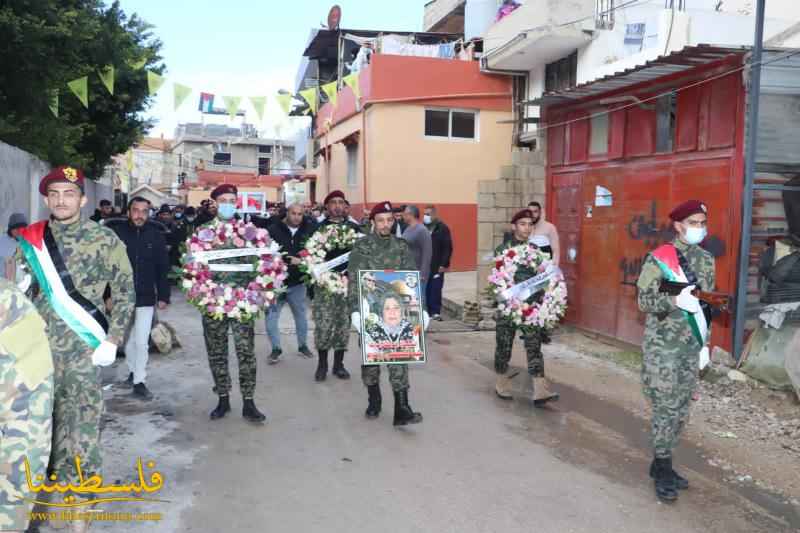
(525,213)
(225,188)
(687,209)
(63,173)
(381,207)
(332,195)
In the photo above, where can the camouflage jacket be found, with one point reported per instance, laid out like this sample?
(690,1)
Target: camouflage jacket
(666,327)
(374,252)
(95,257)
(21,330)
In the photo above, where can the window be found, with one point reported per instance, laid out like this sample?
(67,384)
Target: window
(263,166)
(665,122)
(451,124)
(222,158)
(352,164)
(598,143)
(561,74)
(264,149)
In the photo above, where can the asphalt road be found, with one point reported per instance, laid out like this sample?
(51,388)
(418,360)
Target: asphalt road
(476,463)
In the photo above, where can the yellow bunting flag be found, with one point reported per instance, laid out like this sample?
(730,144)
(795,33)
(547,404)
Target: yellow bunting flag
(259,103)
(80,88)
(232,105)
(52,102)
(137,64)
(285,101)
(351,81)
(107,77)
(154,82)
(180,92)
(330,91)
(310,96)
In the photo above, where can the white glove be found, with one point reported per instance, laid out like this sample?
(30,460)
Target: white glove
(687,301)
(105,354)
(705,358)
(355,321)
(425,320)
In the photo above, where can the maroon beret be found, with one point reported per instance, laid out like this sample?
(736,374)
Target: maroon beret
(332,195)
(225,188)
(63,173)
(380,207)
(687,209)
(525,213)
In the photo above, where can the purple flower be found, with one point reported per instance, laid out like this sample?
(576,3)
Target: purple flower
(206,235)
(250,233)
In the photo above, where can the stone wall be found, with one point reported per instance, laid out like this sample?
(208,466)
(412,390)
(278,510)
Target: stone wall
(519,183)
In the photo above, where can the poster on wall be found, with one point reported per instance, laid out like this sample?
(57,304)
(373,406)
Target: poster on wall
(391,317)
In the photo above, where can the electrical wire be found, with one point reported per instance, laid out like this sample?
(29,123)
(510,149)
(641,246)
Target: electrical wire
(671,91)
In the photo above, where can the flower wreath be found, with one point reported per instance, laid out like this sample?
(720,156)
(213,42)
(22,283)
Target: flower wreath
(543,311)
(325,240)
(242,302)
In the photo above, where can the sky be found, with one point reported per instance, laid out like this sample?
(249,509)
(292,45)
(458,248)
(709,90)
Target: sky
(248,48)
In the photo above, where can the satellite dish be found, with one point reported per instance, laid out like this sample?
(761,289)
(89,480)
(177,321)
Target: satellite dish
(334,17)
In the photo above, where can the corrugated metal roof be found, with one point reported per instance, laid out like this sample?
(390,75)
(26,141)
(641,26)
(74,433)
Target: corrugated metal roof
(686,59)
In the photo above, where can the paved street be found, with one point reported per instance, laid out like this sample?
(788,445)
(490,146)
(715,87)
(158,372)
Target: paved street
(476,463)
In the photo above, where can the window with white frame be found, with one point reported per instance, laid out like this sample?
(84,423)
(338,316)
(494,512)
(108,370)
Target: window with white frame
(451,123)
(222,158)
(352,164)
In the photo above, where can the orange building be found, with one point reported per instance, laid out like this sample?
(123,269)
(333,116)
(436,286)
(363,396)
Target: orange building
(254,190)
(424,131)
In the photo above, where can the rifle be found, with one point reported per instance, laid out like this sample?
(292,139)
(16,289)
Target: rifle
(717,300)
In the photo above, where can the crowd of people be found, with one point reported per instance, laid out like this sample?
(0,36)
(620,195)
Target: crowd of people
(84,288)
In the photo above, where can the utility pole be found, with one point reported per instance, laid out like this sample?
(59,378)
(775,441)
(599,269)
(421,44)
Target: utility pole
(751,143)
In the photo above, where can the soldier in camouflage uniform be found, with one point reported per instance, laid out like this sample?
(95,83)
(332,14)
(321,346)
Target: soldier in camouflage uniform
(215,332)
(381,250)
(522,225)
(93,258)
(670,366)
(331,325)
(26,404)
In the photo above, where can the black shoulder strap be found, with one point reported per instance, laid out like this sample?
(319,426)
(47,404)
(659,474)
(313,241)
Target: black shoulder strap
(691,277)
(66,279)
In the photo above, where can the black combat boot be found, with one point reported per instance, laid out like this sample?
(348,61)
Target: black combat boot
(223,407)
(681,483)
(251,413)
(666,489)
(374,407)
(338,365)
(322,366)
(403,414)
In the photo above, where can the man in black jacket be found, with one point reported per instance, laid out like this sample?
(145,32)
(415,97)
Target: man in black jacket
(147,251)
(442,250)
(291,234)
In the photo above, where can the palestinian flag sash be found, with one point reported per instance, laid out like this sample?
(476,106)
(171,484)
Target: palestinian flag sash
(666,257)
(45,261)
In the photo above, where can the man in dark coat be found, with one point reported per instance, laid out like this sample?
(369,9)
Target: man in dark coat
(147,251)
(441,251)
(291,234)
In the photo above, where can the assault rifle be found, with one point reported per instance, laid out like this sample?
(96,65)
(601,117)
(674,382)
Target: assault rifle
(718,300)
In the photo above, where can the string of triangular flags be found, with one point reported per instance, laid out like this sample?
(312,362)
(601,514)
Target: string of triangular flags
(80,88)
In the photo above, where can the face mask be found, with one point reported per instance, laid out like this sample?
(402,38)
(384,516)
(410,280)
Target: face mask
(190,219)
(426,219)
(695,235)
(226,211)
(178,215)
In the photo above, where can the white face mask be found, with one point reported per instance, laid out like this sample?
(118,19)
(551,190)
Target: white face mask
(426,219)
(695,235)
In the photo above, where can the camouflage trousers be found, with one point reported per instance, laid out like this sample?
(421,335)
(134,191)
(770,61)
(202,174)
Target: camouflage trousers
(398,375)
(331,321)
(26,416)
(215,333)
(77,409)
(668,380)
(504,336)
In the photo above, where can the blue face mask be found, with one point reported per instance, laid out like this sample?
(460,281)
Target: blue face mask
(226,211)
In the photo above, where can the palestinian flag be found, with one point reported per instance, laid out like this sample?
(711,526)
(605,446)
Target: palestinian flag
(39,249)
(206,103)
(666,257)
